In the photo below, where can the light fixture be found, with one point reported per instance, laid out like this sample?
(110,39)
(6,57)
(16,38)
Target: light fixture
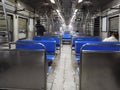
(79,1)
(73,16)
(19,5)
(58,11)
(75,11)
(52,1)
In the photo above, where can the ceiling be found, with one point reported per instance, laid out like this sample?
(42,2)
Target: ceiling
(66,7)
(39,5)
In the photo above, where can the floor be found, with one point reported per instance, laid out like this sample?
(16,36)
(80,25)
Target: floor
(63,76)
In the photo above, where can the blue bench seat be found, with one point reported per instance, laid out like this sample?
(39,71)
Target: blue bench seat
(103,46)
(49,38)
(66,37)
(74,39)
(50,57)
(49,45)
(77,58)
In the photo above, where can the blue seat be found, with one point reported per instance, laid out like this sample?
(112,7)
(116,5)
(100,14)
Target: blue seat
(77,58)
(49,38)
(74,39)
(50,57)
(28,44)
(58,41)
(66,36)
(91,38)
(103,46)
(43,38)
(49,68)
(49,45)
(79,44)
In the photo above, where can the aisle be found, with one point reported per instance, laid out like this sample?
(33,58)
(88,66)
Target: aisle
(64,74)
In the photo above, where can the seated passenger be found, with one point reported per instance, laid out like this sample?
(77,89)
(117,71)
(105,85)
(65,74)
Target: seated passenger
(112,38)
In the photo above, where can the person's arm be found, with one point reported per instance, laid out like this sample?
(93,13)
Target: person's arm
(105,40)
(44,29)
(36,28)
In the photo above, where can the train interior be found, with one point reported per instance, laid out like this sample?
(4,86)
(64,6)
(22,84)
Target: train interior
(70,55)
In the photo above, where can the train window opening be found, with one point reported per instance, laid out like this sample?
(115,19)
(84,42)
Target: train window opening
(22,28)
(12,1)
(10,27)
(104,24)
(3,28)
(114,26)
(97,26)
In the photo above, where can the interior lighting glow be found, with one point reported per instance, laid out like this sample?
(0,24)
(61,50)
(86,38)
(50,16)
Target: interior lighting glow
(74,15)
(58,11)
(75,11)
(19,5)
(79,1)
(70,25)
(52,1)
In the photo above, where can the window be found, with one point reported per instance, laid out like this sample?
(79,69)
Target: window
(12,1)
(104,28)
(114,23)
(22,28)
(4,30)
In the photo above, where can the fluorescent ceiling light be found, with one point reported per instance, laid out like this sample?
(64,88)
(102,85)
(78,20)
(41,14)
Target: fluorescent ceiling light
(76,10)
(72,18)
(52,1)
(58,11)
(19,5)
(79,1)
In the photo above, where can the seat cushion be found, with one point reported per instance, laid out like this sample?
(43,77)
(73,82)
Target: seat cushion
(78,58)
(50,57)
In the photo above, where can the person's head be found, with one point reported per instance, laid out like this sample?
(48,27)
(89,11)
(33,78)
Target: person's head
(38,21)
(77,31)
(115,34)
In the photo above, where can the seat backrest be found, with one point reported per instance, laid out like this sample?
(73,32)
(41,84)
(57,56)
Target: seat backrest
(99,70)
(91,38)
(79,44)
(85,39)
(104,46)
(49,45)
(75,39)
(57,39)
(22,70)
(28,45)
(66,36)
(48,38)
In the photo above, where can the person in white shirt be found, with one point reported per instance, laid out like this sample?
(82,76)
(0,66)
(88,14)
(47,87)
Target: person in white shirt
(112,38)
